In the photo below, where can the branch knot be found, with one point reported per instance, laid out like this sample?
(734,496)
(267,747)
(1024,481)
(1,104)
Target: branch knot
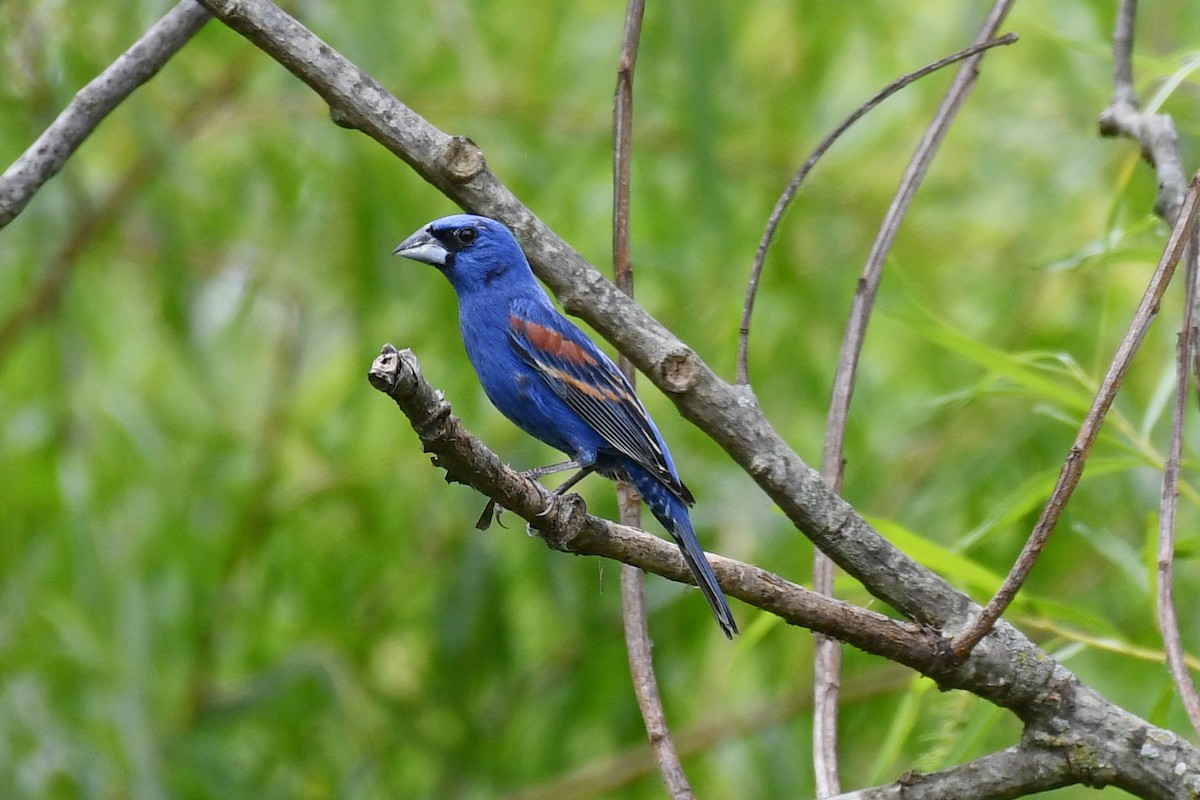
(463,159)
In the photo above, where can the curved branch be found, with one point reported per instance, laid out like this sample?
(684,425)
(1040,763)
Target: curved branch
(789,193)
(46,156)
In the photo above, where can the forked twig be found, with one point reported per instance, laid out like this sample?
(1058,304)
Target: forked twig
(1154,133)
(1072,470)
(633,600)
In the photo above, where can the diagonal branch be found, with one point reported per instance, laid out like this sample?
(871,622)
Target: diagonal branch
(1072,469)
(45,295)
(46,156)
(565,525)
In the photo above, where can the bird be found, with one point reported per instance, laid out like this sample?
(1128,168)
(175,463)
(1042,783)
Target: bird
(550,379)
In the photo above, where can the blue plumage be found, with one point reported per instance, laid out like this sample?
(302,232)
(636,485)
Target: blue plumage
(546,375)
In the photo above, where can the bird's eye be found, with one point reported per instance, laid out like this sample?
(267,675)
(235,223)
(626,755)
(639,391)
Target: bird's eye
(466,235)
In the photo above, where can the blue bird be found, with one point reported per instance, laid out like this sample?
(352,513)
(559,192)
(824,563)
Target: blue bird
(546,375)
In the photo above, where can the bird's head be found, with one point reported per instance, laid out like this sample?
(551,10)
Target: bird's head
(473,252)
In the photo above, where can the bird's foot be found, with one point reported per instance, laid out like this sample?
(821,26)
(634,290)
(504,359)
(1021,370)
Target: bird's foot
(551,502)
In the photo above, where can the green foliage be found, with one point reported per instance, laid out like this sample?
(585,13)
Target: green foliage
(227,569)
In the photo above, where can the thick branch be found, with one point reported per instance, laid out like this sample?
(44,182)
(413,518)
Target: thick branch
(46,156)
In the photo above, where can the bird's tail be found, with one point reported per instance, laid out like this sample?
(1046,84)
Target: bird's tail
(673,514)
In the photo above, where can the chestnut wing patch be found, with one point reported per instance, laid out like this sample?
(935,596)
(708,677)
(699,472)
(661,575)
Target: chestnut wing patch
(592,386)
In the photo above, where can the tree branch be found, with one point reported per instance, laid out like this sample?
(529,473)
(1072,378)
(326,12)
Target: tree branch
(1099,743)
(565,525)
(1014,772)
(46,156)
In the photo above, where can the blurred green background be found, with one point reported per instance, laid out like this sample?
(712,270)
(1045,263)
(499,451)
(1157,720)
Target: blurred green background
(226,569)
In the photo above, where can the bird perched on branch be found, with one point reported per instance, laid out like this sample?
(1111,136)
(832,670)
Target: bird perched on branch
(546,375)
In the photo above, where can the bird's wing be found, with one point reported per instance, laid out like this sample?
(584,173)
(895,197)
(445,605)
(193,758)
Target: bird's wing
(591,385)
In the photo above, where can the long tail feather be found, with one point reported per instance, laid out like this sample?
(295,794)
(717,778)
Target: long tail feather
(673,514)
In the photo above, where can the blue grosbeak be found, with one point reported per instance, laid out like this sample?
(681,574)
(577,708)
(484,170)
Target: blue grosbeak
(546,375)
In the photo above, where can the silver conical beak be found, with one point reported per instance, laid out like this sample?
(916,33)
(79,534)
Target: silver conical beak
(421,246)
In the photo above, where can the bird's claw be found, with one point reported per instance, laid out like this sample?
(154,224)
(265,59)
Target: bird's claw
(551,502)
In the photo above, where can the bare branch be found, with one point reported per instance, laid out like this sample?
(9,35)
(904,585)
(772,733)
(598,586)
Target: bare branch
(46,156)
(827,657)
(1072,469)
(868,283)
(1168,620)
(45,295)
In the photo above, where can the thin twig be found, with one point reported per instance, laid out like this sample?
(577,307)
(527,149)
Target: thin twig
(1168,620)
(1072,469)
(868,283)
(46,156)
(827,656)
(785,199)
(633,599)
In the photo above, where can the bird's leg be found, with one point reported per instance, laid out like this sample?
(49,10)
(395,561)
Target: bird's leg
(560,490)
(540,472)
(485,519)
